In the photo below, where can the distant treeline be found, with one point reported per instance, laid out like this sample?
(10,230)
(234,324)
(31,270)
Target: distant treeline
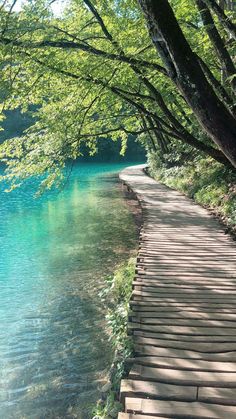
(14,124)
(108,150)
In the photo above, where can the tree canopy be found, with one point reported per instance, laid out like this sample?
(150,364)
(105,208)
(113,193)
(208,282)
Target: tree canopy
(96,71)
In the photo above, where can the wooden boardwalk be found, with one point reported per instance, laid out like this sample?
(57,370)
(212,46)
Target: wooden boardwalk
(183,310)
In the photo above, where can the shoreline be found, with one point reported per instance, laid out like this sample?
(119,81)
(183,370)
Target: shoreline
(109,404)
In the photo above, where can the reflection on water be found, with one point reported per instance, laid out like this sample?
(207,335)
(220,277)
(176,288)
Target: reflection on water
(54,350)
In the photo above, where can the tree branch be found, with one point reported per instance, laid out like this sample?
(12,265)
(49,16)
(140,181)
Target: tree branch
(64,44)
(168,130)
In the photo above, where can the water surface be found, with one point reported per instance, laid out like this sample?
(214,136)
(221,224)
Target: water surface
(55,251)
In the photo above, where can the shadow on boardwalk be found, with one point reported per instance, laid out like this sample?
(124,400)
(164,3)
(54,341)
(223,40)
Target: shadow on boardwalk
(183,310)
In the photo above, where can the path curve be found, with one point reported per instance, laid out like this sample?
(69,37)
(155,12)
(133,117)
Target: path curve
(182,310)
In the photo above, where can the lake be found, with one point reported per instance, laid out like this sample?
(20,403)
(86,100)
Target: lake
(55,252)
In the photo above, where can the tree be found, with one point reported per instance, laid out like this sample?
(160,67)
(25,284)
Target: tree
(187,74)
(93,73)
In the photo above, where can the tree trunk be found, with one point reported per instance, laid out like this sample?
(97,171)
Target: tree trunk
(229,26)
(217,42)
(188,76)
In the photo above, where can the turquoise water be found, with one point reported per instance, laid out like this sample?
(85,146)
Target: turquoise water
(55,251)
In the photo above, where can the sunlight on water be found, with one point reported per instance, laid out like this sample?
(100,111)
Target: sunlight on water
(55,250)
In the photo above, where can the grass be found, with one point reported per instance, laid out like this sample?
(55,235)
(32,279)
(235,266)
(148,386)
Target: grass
(118,290)
(206,181)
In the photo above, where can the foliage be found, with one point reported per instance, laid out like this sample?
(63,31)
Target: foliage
(118,290)
(112,406)
(203,180)
(92,72)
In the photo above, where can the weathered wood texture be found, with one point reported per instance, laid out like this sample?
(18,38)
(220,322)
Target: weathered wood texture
(182,310)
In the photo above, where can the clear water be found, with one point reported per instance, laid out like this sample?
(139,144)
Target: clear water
(55,251)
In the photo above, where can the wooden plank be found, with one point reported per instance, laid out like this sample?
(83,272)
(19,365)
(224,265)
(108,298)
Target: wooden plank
(187,285)
(181,277)
(175,271)
(146,254)
(183,377)
(146,350)
(183,364)
(182,240)
(185,282)
(210,270)
(194,315)
(178,244)
(171,321)
(225,257)
(194,291)
(196,264)
(184,330)
(182,295)
(183,299)
(195,346)
(183,305)
(217,395)
(149,389)
(165,258)
(181,273)
(183,410)
(185,338)
(175,239)
(175,246)
(140,306)
(230,260)
(197,267)
(184,236)
(131,416)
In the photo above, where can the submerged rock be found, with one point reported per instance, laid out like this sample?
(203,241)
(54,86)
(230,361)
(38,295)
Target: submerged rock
(106,387)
